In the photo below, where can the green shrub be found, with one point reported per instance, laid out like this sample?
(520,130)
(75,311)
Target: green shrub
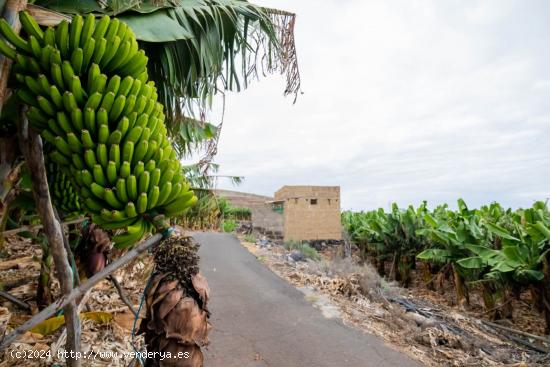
(250,238)
(229,225)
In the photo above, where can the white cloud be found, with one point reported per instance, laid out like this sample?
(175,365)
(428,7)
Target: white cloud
(404,101)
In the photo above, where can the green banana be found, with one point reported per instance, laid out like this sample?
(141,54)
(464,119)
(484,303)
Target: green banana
(143,182)
(99,177)
(181,204)
(131,187)
(131,211)
(103,134)
(89,120)
(12,37)
(135,232)
(165,191)
(76,89)
(93,101)
(36,49)
(115,137)
(87,177)
(110,52)
(114,155)
(111,199)
(107,102)
(87,140)
(57,76)
(121,192)
(77,119)
(101,27)
(56,97)
(128,151)
(75,144)
(140,151)
(77,59)
(118,107)
(101,154)
(125,169)
(141,204)
(49,37)
(69,101)
(62,38)
(68,72)
(112,175)
(139,168)
(75,32)
(99,50)
(7,51)
(30,25)
(152,197)
(87,29)
(77,163)
(89,158)
(46,106)
(89,49)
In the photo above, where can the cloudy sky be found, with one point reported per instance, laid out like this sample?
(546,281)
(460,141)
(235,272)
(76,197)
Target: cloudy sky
(403,101)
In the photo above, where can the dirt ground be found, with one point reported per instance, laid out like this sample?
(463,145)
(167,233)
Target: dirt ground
(18,275)
(422,323)
(433,331)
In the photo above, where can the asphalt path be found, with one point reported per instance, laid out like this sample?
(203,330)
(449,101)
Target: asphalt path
(261,320)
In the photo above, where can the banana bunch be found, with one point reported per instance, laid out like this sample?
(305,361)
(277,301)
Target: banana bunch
(61,189)
(88,93)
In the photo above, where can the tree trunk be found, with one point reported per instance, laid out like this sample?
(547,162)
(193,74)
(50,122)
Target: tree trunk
(429,279)
(31,145)
(506,308)
(44,295)
(381,267)
(405,271)
(462,298)
(489,300)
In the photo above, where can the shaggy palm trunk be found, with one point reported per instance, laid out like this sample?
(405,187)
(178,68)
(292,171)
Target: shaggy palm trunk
(395,273)
(506,307)
(405,266)
(489,300)
(462,297)
(176,318)
(427,275)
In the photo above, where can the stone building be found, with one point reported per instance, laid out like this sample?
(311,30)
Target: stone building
(309,212)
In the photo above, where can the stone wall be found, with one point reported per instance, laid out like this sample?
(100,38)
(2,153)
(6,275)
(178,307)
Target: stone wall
(311,212)
(264,219)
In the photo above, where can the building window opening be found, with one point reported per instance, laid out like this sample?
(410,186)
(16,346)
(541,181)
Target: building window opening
(313,201)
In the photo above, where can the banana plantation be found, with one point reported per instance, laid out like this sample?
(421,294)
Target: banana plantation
(100,101)
(500,254)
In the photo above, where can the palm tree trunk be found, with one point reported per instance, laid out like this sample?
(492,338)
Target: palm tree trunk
(427,275)
(462,297)
(489,300)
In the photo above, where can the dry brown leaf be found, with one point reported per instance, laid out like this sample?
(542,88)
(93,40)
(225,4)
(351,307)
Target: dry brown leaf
(201,286)
(168,303)
(187,322)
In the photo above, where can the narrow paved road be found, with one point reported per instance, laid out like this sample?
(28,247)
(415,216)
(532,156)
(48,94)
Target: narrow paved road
(260,320)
